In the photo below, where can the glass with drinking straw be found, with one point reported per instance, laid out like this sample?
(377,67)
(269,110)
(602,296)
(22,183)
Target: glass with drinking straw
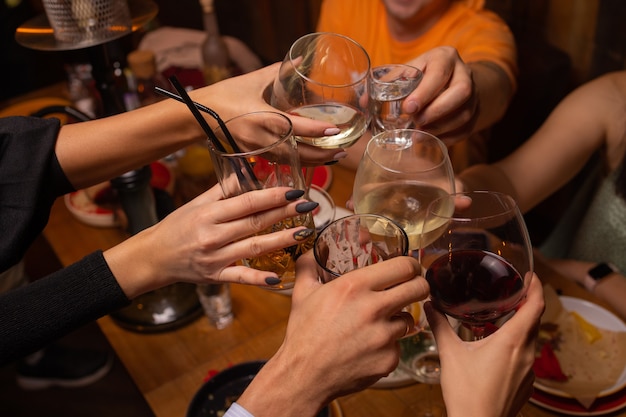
(324,77)
(266,155)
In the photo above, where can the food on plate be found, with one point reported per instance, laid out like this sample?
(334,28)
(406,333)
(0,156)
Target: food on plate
(575,356)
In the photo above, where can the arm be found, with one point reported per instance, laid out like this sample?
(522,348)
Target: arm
(202,240)
(578,126)
(94,151)
(611,289)
(498,368)
(341,337)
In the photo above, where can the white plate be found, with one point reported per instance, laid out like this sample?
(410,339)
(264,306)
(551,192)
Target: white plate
(602,319)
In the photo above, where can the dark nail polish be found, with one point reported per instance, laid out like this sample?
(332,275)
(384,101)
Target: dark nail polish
(294,194)
(303,234)
(330,163)
(272,280)
(306,207)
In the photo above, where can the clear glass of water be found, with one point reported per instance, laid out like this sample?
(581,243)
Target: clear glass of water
(389,86)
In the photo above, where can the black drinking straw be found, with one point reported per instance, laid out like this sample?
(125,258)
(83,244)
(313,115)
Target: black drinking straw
(193,107)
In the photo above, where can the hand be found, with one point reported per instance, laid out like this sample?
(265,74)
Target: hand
(492,376)
(248,93)
(341,337)
(200,241)
(445,102)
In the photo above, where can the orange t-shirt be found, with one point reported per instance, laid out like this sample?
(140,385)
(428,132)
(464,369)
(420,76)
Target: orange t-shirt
(476,33)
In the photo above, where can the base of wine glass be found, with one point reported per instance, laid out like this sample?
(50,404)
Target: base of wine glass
(424,406)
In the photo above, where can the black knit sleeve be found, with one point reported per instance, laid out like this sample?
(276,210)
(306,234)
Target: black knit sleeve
(34,315)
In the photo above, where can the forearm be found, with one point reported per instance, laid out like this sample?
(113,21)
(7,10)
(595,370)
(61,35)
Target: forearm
(55,305)
(281,390)
(612,290)
(494,90)
(91,152)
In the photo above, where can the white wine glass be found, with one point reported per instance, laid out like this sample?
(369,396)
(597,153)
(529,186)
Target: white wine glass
(402,171)
(324,77)
(477,258)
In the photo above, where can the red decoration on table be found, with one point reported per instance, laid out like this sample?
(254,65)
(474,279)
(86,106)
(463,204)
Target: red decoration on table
(547,365)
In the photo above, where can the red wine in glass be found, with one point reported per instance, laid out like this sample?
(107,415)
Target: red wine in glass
(474,286)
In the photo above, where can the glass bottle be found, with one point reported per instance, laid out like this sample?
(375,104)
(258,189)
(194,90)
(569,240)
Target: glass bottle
(216,62)
(145,76)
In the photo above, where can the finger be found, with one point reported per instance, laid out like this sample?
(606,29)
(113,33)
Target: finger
(529,313)
(239,274)
(307,276)
(313,155)
(258,245)
(249,203)
(407,326)
(387,274)
(440,326)
(435,79)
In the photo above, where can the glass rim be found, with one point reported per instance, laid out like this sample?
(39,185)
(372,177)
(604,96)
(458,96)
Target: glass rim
(376,139)
(418,76)
(349,40)
(511,206)
(283,136)
(405,237)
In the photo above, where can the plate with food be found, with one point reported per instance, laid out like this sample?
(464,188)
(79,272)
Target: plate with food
(581,351)
(218,393)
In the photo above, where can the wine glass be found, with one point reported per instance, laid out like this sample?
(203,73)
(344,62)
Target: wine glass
(324,77)
(402,171)
(477,258)
(420,359)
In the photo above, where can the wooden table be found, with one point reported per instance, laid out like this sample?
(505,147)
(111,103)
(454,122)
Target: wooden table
(169,368)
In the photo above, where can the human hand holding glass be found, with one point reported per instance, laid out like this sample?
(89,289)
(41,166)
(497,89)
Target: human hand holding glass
(389,86)
(477,257)
(267,157)
(324,77)
(357,241)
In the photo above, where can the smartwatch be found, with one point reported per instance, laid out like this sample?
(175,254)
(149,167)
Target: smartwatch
(597,273)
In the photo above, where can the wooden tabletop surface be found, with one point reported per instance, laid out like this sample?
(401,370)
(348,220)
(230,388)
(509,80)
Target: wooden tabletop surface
(169,367)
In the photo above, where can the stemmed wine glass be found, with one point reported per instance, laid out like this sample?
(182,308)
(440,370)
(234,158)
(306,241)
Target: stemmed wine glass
(324,77)
(402,171)
(420,359)
(477,257)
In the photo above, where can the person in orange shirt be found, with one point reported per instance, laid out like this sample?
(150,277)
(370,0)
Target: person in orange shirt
(467,53)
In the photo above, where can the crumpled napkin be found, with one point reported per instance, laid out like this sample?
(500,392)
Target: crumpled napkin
(591,359)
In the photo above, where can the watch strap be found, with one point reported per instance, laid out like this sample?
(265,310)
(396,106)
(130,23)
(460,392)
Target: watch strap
(597,273)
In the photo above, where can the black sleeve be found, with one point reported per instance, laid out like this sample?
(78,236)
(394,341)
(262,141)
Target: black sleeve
(38,313)
(30,181)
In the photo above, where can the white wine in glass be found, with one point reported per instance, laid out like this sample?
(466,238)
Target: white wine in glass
(324,77)
(401,172)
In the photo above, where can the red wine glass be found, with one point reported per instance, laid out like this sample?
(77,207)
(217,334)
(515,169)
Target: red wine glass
(480,265)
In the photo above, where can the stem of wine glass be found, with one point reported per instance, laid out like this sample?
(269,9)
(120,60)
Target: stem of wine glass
(478,331)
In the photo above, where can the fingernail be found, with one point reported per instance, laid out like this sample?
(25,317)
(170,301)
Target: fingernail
(331,131)
(340,155)
(272,280)
(306,207)
(411,106)
(294,194)
(303,234)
